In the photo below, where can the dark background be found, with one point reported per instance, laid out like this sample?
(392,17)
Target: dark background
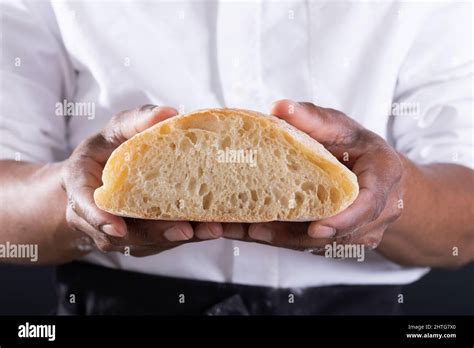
(27,290)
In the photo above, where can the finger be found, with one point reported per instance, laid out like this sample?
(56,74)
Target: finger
(372,233)
(82,203)
(150,232)
(76,223)
(79,180)
(377,175)
(147,234)
(330,127)
(129,123)
(286,235)
(208,230)
(100,240)
(364,210)
(121,128)
(235,231)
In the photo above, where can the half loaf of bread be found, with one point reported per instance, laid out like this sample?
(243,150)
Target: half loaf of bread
(225,165)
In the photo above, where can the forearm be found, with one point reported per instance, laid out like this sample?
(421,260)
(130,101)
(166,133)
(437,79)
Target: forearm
(436,226)
(33,212)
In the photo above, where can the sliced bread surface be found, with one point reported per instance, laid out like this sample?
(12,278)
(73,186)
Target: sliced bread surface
(225,165)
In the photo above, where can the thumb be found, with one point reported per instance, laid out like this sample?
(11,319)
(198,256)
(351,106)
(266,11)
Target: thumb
(126,124)
(329,127)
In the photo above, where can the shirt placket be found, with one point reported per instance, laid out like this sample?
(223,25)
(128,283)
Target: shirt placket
(238,53)
(239,63)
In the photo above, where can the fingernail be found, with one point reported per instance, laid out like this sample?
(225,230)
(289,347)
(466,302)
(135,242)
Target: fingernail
(261,233)
(321,231)
(175,234)
(111,230)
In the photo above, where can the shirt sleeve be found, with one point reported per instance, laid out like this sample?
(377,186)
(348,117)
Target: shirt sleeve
(35,75)
(432,113)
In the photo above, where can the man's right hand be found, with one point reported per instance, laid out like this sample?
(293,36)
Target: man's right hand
(82,173)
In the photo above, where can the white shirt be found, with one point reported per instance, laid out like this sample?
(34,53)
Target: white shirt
(357,57)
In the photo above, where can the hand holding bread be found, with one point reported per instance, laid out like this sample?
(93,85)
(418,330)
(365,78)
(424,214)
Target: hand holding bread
(81,175)
(379,171)
(310,176)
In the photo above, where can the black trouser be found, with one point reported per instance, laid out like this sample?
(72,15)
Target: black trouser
(96,290)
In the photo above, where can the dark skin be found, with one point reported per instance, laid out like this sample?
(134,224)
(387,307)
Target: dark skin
(410,213)
(379,172)
(64,192)
(421,231)
(113,233)
(368,156)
